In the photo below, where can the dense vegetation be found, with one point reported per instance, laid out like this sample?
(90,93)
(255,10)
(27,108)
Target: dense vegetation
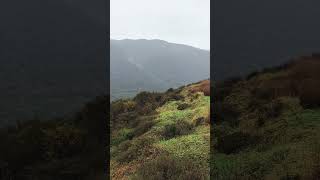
(267,126)
(163,136)
(64,149)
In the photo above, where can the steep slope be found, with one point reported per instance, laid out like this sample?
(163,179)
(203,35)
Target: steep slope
(52,59)
(267,126)
(162,135)
(155,65)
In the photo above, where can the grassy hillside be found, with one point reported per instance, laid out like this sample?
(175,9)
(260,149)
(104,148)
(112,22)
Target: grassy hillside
(162,135)
(267,126)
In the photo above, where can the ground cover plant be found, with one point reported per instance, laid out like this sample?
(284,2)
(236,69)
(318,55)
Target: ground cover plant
(162,135)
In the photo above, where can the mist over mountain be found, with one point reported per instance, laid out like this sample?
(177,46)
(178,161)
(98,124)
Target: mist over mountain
(52,57)
(250,35)
(154,65)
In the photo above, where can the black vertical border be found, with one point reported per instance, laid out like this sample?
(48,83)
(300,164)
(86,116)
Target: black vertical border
(107,120)
(212,50)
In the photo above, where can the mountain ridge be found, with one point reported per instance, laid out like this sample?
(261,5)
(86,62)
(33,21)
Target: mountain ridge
(162,64)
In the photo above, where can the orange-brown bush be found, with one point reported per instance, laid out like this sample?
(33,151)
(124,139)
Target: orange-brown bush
(301,80)
(203,86)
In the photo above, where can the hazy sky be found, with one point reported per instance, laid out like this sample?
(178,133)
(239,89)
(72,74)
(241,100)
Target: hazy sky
(178,21)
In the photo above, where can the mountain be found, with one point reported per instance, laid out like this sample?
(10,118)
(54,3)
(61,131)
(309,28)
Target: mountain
(267,125)
(52,57)
(252,35)
(162,135)
(154,65)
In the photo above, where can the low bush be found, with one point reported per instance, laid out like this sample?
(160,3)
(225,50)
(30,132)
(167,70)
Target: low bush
(181,127)
(203,87)
(122,135)
(223,88)
(199,121)
(265,111)
(223,112)
(183,106)
(235,142)
(63,141)
(143,127)
(134,149)
(166,167)
(122,106)
(309,93)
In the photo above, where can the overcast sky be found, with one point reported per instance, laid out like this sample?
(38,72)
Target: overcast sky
(178,21)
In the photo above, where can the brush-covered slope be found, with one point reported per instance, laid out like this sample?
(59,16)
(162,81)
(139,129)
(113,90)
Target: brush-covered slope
(59,149)
(268,125)
(154,65)
(162,135)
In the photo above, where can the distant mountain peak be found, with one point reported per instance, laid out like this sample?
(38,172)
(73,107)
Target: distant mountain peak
(155,65)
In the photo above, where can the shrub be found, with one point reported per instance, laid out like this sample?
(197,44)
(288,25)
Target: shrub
(263,111)
(64,141)
(253,74)
(291,177)
(181,127)
(122,106)
(176,97)
(166,167)
(170,90)
(234,143)
(273,109)
(124,119)
(183,106)
(122,135)
(224,112)
(146,109)
(136,148)
(223,89)
(309,93)
(144,97)
(143,127)
(200,120)
(203,86)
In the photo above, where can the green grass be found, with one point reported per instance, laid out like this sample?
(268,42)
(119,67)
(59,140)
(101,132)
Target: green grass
(288,149)
(305,119)
(193,145)
(275,162)
(169,114)
(122,135)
